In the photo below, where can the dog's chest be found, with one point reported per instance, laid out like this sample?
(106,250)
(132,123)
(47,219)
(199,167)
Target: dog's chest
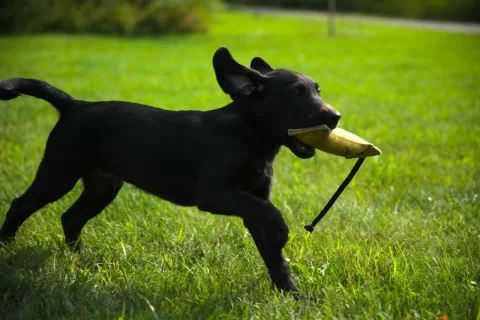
(256,174)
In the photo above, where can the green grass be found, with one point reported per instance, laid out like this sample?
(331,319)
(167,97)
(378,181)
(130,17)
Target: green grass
(401,242)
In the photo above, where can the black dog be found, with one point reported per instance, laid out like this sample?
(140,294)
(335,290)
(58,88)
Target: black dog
(107,143)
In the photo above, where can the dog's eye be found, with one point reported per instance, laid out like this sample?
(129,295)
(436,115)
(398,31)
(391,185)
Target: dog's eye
(300,90)
(318,88)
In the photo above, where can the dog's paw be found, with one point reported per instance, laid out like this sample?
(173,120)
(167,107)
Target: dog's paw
(286,284)
(75,246)
(295,294)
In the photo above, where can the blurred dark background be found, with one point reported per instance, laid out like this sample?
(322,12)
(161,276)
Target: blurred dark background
(106,16)
(454,10)
(182,16)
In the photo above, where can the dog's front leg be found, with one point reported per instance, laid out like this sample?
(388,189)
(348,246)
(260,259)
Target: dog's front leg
(265,223)
(271,252)
(264,239)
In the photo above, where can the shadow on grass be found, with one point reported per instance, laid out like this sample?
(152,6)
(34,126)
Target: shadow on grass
(50,283)
(18,272)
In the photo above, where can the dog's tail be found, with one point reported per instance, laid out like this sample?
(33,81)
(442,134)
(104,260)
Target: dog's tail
(12,88)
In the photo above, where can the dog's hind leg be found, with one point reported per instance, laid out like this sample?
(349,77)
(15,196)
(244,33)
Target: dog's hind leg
(50,184)
(99,191)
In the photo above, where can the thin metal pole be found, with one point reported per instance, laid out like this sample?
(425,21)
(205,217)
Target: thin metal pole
(332,8)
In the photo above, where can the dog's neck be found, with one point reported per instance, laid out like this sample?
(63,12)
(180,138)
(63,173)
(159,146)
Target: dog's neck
(263,138)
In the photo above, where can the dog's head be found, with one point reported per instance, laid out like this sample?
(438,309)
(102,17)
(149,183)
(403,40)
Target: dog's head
(278,99)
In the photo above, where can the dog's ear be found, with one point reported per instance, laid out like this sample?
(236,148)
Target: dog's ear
(260,65)
(236,80)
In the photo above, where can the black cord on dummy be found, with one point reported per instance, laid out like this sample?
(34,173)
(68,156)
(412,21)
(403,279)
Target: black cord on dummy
(337,193)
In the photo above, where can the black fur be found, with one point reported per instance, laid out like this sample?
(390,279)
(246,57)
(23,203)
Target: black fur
(219,160)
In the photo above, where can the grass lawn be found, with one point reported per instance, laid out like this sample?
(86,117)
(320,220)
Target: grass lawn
(401,242)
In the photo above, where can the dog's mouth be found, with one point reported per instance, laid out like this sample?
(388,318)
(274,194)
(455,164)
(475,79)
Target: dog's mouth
(299,148)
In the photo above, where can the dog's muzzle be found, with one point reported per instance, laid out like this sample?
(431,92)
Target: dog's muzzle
(299,148)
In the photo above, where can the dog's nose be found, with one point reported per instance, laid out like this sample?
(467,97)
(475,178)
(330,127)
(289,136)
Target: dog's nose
(333,119)
(336,116)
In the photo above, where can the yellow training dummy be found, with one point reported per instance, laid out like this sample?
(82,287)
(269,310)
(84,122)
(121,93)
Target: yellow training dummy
(337,141)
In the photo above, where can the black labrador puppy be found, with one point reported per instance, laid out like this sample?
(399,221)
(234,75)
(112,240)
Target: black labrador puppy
(107,143)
